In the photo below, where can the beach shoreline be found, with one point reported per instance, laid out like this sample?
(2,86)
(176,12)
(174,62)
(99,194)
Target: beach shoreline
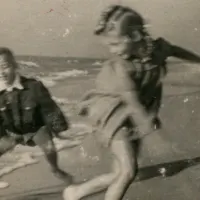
(174,142)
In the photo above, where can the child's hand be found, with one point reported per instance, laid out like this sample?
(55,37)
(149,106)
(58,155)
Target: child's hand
(143,124)
(145,127)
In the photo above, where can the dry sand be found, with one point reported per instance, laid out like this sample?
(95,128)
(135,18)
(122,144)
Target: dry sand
(179,140)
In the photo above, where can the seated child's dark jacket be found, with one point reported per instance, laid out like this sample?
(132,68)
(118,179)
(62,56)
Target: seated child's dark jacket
(30,109)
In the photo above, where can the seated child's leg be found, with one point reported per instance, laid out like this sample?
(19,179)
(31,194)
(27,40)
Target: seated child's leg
(7,143)
(44,140)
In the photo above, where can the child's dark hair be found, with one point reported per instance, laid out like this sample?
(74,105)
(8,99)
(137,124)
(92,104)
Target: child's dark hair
(116,12)
(4,51)
(135,21)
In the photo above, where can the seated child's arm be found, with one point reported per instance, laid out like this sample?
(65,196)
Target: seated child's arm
(50,111)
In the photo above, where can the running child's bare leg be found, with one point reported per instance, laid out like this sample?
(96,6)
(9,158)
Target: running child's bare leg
(124,167)
(123,151)
(95,185)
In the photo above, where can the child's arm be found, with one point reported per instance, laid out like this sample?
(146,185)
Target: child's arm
(171,50)
(50,111)
(184,54)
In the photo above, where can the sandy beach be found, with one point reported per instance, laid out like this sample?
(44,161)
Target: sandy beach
(169,158)
(174,148)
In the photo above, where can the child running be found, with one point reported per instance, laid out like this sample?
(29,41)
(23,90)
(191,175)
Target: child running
(127,97)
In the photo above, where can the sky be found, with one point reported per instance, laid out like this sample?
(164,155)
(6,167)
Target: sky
(65,27)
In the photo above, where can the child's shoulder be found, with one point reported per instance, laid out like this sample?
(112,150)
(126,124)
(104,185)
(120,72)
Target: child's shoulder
(162,48)
(30,82)
(161,43)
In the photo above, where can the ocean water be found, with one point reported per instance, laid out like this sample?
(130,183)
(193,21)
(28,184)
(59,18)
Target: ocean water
(67,79)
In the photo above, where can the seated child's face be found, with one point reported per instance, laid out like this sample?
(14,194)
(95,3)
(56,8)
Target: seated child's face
(7,71)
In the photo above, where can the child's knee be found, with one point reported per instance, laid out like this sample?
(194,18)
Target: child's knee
(128,174)
(129,169)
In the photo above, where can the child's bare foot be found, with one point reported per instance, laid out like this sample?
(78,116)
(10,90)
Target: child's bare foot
(69,193)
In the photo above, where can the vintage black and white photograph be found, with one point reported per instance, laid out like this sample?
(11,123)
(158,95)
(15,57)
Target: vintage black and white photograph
(99,99)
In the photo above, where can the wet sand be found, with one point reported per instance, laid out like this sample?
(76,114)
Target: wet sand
(175,148)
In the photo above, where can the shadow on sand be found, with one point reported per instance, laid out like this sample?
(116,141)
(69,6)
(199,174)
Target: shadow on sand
(165,169)
(145,173)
